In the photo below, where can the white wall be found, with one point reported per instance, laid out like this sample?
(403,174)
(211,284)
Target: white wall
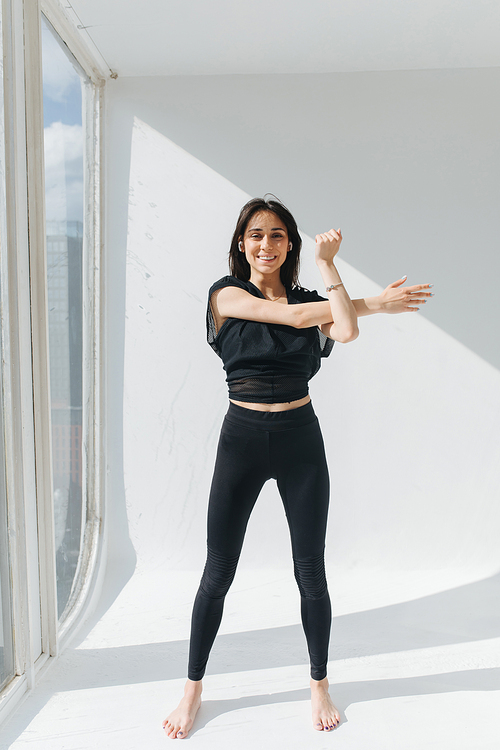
(409,413)
(406,162)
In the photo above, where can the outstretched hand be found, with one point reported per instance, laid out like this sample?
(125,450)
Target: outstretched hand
(397,299)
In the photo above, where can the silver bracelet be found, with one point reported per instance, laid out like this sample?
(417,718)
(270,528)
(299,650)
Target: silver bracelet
(334,286)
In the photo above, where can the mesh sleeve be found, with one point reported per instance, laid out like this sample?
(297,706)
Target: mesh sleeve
(325,344)
(211,324)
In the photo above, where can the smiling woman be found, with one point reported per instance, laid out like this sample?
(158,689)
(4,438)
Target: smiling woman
(271,335)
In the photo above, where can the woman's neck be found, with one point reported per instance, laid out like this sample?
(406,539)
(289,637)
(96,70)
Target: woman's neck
(271,286)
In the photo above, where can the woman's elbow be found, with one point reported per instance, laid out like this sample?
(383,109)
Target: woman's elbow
(350,334)
(299,319)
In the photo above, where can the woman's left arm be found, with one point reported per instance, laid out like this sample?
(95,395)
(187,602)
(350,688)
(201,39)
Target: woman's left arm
(344,327)
(394,299)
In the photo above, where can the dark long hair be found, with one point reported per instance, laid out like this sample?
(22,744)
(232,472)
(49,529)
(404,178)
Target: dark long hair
(238,264)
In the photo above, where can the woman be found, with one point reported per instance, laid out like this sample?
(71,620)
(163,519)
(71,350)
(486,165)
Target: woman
(271,334)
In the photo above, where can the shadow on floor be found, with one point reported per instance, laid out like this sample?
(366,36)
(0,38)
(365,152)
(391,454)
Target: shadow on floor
(346,693)
(465,614)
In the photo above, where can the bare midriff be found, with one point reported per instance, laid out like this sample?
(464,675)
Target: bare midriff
(273,407)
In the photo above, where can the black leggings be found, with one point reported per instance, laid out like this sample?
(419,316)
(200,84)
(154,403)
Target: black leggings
(253,447)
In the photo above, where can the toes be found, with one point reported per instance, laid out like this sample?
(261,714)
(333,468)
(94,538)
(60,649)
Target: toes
(328,725)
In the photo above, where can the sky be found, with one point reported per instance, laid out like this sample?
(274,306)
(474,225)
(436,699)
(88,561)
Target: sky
(62,109)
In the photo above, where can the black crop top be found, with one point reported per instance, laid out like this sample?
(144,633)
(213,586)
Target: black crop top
(267,363)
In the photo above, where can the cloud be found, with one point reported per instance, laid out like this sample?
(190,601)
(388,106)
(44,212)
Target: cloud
(59,75)
(64,172)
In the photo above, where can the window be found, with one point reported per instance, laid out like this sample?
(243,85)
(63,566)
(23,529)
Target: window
(63,92)
(50,343)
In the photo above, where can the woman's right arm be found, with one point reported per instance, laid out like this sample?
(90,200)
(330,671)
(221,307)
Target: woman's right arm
(232,302)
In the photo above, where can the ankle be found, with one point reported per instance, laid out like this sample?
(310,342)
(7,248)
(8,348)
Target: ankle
(319,684)
(193,687)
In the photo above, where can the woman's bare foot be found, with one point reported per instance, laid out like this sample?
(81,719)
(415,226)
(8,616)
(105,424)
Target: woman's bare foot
(179,722)
(324,714)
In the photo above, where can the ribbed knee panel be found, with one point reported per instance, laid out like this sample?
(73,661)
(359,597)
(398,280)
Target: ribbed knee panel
(311,577)
(218,575)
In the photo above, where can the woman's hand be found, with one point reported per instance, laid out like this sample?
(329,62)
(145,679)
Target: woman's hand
(398,299)
(327,245)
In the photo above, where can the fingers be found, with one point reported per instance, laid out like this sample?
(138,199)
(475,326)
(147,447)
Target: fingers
(416,294)
(412,289)
(419,287)
(331,235)
(398,282)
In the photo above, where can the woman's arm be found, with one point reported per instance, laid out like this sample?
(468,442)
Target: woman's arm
(394,299)
(344,327)
(232,302)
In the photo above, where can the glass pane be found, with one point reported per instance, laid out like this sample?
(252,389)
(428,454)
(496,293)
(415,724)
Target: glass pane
(6,631)
(63,88)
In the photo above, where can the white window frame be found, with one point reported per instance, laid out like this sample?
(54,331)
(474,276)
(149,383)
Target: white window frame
(39,635)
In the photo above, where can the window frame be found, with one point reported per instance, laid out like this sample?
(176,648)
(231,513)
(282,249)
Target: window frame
(39,635)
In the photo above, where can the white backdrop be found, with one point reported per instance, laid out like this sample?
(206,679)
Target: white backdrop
(406,162)
(409,415)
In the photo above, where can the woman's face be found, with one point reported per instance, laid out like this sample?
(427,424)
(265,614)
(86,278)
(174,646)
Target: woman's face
(265,242)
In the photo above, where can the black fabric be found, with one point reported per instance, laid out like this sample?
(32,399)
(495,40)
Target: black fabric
(267,363)
(255,446)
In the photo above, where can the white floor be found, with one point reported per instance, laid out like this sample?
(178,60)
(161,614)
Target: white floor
(422,669)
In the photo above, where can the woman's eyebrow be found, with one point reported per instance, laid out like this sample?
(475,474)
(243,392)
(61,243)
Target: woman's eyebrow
(274,229)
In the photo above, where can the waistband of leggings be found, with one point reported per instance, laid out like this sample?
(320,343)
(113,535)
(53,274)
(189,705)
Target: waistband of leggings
(271,420)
